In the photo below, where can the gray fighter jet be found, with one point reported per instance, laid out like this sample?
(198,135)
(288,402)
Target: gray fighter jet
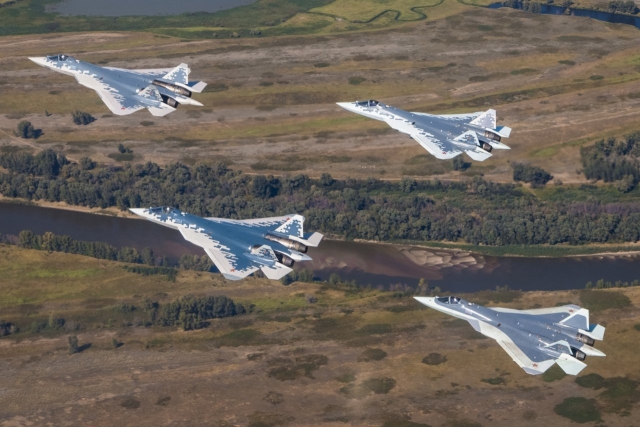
(241,247)
(444,136)
(535,339)
(127,91)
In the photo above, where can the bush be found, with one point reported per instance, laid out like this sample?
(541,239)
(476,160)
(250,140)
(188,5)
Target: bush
(73,344)
(578,409)
(379,385)
(26,130)
(459,164)
(372,354)
(130,403)
(124,150)
(494,381)
(434,359)
(534,175)
(356,80)
(191,312)
(593,381)
(82,118)
(7,328)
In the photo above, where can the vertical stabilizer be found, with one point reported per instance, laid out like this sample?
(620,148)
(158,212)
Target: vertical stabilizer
(485,120)
(293,226)
(180,74)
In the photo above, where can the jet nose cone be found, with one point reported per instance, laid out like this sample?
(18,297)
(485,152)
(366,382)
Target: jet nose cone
(428,301)
(40,60)
(139,212)
(346,105)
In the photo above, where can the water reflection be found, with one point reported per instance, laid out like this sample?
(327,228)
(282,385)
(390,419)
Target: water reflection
(366,263)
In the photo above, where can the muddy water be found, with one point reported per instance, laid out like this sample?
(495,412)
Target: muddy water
(366,263)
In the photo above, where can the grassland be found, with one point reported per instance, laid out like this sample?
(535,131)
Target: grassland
(352,357)
(269,107)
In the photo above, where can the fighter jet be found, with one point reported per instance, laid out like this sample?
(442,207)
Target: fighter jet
(535,339)
(241,247)
(444,136)
(127,91)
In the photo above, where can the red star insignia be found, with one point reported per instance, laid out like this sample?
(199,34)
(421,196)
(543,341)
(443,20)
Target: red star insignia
(122,108)
(535,365)
(571,310)
(233,269)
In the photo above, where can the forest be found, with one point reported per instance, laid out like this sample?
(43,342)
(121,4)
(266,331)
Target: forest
(614,160)
(476,211)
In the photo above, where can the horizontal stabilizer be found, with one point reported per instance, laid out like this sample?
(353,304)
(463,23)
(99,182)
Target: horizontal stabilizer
(312,239)
(151,92)
(503,131)
(595,331)
(276,271)
(469,137)
(162,110)
(478,154)
(197,87)
(570,365)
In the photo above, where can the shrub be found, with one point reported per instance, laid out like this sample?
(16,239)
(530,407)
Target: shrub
(578,409)
(593,381)
(434,359)
(494,381)
(26,130)
(7,328)
(82,118)
(73,344)
(130,403)
(459,164)
(379,385)
(372,354)
(356,80)
(534,175)
(163,401)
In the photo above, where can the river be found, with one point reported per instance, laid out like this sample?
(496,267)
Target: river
(548,9)
(367,263)
(141,7)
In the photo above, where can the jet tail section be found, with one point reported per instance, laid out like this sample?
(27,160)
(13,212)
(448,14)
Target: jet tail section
(292,227)
(180,74)
(485,120)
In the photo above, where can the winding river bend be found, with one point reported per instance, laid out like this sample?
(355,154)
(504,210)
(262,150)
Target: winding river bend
(366,263)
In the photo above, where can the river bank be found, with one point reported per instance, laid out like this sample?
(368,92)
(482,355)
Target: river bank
(529,251)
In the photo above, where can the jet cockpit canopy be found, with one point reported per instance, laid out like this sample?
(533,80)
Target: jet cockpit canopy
(61,57)
(449,300)
(166,210)
(369,103)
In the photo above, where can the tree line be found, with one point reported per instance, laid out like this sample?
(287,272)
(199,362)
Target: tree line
(614,160)
(476,212)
